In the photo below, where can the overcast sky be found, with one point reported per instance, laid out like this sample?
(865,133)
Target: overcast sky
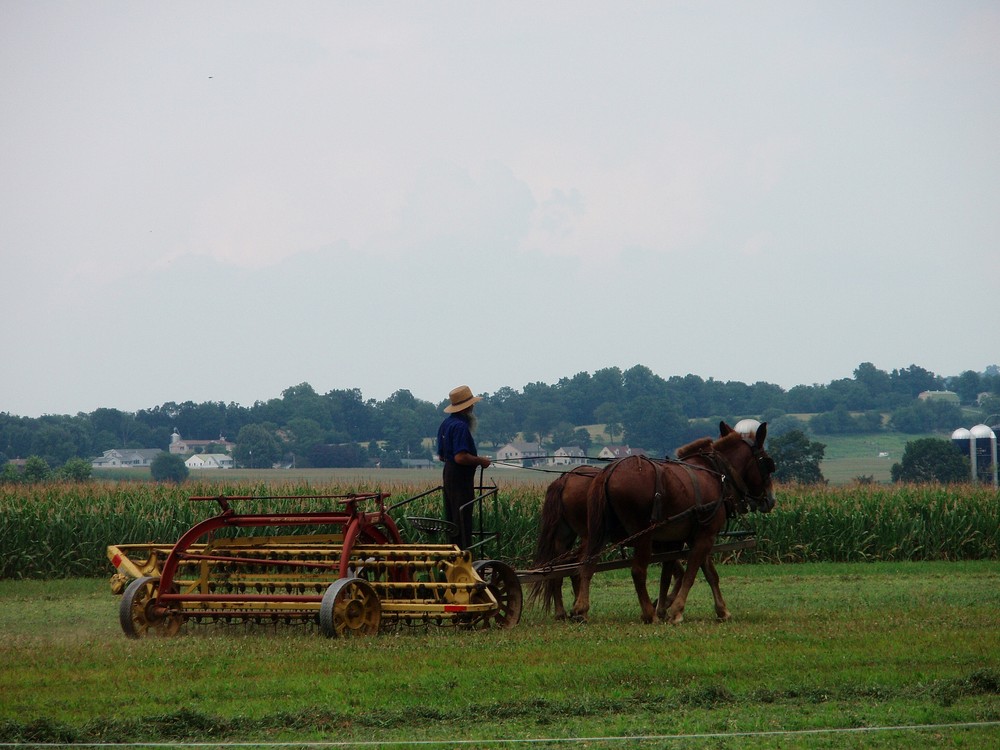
(214,201)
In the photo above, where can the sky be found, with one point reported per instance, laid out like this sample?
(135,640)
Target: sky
(215,201)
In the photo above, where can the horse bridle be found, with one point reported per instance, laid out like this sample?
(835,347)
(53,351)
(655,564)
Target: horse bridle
(765,467)
(743,497)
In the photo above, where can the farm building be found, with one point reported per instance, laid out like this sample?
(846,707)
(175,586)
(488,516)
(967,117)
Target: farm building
(568,455)
(611,452)
(127,458)
(210,461)
(525,454)
(181,447)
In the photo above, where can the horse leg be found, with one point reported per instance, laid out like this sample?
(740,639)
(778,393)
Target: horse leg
(700,551)
(672,571)
(640,563)
(555,596)
(581,604)
(555,593)
(712,576)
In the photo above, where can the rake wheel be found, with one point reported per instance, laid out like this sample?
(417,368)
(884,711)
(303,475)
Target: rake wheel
(138,613)
(506,588)
(350,607)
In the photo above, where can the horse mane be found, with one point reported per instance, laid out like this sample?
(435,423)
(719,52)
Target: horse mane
(698,446)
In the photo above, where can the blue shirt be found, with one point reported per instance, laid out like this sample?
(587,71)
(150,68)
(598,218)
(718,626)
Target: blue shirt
(454,437)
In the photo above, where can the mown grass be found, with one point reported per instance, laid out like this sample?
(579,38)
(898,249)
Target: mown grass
(63,529)
(811,647)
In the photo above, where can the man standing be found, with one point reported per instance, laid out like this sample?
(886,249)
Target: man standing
(457,448)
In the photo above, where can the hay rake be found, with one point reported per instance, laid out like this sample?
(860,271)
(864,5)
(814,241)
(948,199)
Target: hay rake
(347,570)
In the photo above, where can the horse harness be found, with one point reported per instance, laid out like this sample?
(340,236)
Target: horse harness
(734,493)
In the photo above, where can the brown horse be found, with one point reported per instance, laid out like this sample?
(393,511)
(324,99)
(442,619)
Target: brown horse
(678,502)
(564,521)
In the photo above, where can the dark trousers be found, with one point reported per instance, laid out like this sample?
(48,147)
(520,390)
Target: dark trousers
(459,489)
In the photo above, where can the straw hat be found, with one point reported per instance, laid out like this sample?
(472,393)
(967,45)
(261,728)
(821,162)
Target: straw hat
(461,399)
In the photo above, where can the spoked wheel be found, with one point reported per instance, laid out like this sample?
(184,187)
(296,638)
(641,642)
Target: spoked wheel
(350,607)
(505,586)
(138,613)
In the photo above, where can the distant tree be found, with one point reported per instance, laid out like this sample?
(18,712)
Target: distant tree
(303,434)
(36,469)
(990,409)
(498,421)
(931,460)
(875,381)
(785,423)
(968,386)
(797,458)
(926,416)
(913,380)
(609,414)
(563,434)
(76,470)
(56,440)
(653,424)
(257,447)
(168,467)
(842,422)
(9,474)
(345,455)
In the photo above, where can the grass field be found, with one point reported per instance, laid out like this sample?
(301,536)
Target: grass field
(817,656)
(848,457)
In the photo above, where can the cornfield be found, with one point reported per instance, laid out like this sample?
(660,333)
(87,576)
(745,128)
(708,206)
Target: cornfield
(57,530)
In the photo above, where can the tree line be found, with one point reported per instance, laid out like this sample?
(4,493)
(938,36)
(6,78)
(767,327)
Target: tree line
(636,406)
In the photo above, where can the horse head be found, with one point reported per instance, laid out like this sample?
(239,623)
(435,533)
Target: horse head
(752,466)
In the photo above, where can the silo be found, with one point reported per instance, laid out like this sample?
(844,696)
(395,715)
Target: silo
(983,449)
(961,439)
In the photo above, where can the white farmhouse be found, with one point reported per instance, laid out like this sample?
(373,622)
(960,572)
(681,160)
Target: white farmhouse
(210,461)
(572,454)
(612,452)
(525,454)
(125,458)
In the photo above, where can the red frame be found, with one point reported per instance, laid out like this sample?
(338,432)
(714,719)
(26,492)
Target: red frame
(374,527)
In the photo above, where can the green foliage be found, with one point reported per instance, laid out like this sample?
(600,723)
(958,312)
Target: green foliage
(36,469)
(635,405)
(9,474)
(931,460)
(926,416)
(841,421)
(168,467)
(55,530)
(75,470)
(257,447)
(797,458)
(865,523)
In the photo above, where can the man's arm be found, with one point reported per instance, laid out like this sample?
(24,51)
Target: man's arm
(467,459)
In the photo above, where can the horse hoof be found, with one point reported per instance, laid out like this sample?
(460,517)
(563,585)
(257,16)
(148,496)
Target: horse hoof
(578,618)
(723,616)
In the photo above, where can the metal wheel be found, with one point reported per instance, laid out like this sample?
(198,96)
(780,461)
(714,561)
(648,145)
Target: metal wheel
(137,611)
(350,607)
(506,587)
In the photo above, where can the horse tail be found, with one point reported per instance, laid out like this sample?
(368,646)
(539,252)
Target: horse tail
(597,511)
(547,548)
(551,517)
